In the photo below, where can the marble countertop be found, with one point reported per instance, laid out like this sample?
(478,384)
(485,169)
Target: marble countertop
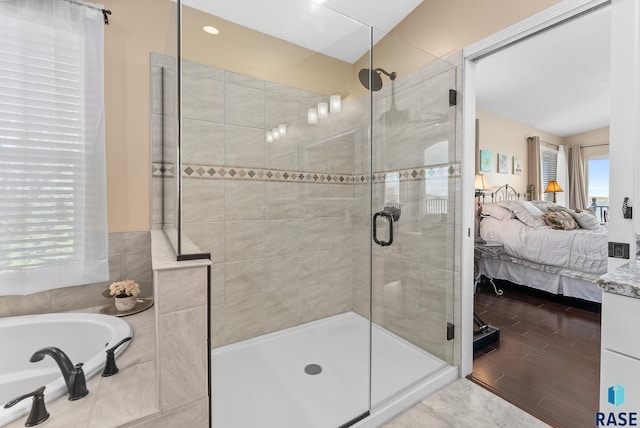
(624,280)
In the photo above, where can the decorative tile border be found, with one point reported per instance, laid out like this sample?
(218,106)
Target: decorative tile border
(262,174)
(162,170)
(214,172)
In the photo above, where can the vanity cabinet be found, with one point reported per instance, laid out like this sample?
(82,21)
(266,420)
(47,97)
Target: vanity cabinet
(620,351)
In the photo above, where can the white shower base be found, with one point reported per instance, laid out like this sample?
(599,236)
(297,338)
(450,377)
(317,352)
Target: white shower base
(261,382)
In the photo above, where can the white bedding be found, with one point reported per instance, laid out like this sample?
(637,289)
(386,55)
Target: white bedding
(539,277)
(580,250)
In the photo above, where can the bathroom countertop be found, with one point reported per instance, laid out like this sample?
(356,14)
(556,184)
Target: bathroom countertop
(113,401)
(624,280)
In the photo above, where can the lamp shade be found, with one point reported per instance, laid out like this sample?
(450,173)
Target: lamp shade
(480,183)
(553,186)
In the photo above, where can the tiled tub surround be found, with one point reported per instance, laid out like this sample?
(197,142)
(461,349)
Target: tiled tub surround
(288,243)
(163,376)
(117,400)
(181,321)
(129,258)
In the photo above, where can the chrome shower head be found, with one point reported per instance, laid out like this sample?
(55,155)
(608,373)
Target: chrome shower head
(376,79)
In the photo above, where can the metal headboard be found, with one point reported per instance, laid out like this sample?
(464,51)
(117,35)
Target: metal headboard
(505,193)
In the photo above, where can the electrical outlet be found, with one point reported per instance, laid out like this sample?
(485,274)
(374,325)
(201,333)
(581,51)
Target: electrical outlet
(619,250)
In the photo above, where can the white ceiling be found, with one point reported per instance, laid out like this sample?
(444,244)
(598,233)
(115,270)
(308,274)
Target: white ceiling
(557,81)
(321,28)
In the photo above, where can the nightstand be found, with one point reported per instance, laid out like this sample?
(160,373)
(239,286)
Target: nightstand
(482,248)
(486,334)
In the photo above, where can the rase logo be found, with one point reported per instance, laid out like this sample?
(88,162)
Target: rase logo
(615,397)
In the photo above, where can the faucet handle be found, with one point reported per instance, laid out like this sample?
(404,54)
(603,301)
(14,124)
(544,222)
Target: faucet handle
(38,412)
(78,383)
(110,367)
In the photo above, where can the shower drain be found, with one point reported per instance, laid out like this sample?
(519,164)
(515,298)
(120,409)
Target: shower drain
(313,369)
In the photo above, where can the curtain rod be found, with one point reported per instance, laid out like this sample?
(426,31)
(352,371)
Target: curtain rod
(105,12)
(582,147)
(594,145)
(550,144)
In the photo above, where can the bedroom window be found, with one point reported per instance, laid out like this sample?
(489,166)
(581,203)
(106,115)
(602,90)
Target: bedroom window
(598,186)
(549,169)
(53,229)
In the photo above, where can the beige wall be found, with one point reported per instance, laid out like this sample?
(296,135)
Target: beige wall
(444,26)
(501,135)
(598,139)
(249,52)
(135,29)
(143,26)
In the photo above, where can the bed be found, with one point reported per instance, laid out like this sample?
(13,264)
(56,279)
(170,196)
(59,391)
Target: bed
(546,246)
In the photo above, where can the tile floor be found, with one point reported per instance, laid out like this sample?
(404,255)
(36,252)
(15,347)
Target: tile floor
(464,404)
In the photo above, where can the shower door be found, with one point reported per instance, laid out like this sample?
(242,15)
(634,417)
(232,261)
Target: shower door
(285,158)
(415,180)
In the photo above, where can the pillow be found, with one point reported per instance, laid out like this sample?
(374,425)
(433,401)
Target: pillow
(533,210)
(496,211)
(543,205)
(523,214)
(558,208)
(570,222)
(586,220)
(559,220)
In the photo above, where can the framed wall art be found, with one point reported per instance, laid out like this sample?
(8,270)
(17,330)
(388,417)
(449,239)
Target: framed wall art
(503,163)
(517,165)
(486,160)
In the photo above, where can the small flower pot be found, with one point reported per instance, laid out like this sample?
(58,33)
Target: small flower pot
(124,304)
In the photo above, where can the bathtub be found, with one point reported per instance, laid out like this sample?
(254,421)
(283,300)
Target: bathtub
(83,337)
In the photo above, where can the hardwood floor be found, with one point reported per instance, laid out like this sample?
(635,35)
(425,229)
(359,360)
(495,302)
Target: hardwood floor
(548,359)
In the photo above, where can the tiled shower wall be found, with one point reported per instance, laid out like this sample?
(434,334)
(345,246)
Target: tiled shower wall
(281,250)
(129,258)
(288,223)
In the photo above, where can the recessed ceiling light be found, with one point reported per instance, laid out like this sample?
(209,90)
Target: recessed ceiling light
(211,30)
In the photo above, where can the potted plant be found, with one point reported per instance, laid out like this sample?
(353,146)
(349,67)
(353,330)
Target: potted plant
(125,294)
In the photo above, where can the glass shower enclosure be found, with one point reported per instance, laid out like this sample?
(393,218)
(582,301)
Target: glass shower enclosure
(319,167)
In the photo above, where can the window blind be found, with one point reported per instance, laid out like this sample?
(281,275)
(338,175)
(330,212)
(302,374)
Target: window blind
(549,167)
(52,179)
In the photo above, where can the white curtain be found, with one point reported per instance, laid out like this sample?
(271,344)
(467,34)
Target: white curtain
(534,168)
(578,192)
(53,226)
(562,177)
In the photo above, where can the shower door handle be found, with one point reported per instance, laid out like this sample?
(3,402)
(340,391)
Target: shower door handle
(389,217)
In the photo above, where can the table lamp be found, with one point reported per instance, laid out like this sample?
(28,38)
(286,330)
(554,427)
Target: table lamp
(553,187)
(480,184)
